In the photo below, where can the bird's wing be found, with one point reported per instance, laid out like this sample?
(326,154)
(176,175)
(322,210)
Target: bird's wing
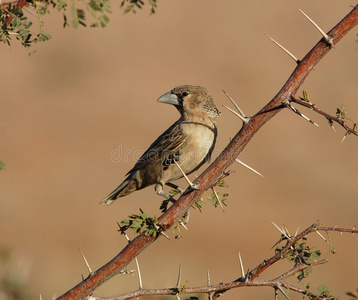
(164,147)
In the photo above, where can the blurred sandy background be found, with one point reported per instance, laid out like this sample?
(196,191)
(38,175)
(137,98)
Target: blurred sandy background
(90,93)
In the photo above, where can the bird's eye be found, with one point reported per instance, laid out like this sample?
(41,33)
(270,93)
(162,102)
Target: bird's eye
(184,94)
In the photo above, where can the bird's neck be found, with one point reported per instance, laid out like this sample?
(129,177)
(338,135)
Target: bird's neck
(199,119)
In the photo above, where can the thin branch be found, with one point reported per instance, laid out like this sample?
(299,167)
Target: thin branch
(216,169)
(299,267)
(329,117)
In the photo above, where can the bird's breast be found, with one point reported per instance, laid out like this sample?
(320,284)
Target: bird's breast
(200,140)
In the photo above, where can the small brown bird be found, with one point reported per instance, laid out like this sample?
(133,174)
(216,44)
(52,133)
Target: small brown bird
(181,149)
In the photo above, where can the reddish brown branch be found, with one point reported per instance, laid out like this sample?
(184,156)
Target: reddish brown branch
(214,171)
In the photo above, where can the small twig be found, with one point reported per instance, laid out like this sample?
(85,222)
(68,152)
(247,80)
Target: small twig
(299,267)
(332,118)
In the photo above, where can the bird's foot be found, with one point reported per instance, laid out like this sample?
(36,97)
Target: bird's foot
(176,187)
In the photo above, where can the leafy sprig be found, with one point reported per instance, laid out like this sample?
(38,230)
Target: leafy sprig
(14,22)
(300,253)
(2,165)
(141,224)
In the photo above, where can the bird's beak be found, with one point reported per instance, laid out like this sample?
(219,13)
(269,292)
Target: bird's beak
(169,98)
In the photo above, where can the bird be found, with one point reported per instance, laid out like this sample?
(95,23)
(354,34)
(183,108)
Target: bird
(182,149)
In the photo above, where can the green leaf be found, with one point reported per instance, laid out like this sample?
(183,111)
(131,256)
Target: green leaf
(323,288)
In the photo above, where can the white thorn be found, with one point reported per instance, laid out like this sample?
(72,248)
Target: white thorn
(127,238)
(286,233)
(297,231)
(192,185)
(162,233)
(245,165)
(278,228)
(276,293)
(321,236)
(296,111)
(282,291)
(243,119)
(328,39)
(182,224)
(86,262)
(284,49)
(139,274)
(309,120)
(179,277)
(208,278)
(286,230)
(30,12)
(241,266)
(218,199)
(235,104)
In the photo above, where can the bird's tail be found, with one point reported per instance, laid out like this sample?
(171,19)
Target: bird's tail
(127,187)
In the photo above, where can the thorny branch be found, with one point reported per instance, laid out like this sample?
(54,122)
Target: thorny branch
(214,171)
(247,280)
(337,119)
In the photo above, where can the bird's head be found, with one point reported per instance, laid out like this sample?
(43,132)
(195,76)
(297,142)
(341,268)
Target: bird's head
(192,101)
